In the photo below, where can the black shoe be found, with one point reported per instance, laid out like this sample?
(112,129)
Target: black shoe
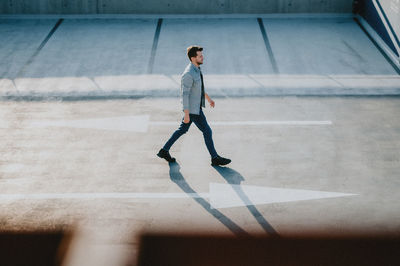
(165,155)
(219,161)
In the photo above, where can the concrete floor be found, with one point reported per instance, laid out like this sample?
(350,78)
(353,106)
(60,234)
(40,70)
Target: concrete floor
(357,153)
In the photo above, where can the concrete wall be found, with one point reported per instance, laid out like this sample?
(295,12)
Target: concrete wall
(173,6)
(386,21)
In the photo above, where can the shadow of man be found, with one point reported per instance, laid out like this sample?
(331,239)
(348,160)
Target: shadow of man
(235,178)
(177,178)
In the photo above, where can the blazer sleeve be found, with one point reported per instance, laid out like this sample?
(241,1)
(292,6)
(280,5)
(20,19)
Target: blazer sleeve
(186,83)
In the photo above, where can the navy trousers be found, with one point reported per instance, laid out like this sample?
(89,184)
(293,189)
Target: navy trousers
(201,122)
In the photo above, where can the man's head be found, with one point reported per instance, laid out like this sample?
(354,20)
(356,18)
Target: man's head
(195,54)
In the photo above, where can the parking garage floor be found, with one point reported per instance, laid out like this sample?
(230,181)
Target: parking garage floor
(87,104)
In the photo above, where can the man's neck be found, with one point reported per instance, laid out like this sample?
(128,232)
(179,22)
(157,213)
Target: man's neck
(195,64)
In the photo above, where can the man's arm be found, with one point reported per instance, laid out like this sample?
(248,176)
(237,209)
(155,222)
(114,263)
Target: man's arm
(211,102)
(187,82)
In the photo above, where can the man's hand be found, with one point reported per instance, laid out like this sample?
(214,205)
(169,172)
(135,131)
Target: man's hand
(211,102)
(186,119)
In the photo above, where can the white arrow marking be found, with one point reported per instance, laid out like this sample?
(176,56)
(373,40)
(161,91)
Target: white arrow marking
(123,123)
(225,196)
(221,195)
(141,123)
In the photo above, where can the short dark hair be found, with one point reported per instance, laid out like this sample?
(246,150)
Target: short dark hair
(192,51)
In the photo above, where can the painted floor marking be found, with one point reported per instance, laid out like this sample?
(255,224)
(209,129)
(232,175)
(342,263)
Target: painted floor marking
(141,123)
(220,195)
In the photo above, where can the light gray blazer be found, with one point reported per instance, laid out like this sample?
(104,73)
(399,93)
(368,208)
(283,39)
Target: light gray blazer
(191,89)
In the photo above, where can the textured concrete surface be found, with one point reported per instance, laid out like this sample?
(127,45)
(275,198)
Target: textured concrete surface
(93,48)
(226,48)
(358,153)
(324,47)
(19,40)
(116,57)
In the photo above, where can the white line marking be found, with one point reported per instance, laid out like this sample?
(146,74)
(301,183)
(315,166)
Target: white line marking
(103,196)
(251,123)
(141,123)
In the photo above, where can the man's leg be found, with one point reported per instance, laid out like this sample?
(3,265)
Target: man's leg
(183,128)
(201,122)
(164,152)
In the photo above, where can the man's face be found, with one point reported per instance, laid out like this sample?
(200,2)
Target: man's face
(199,58)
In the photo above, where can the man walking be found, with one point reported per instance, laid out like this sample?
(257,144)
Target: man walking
(193,99)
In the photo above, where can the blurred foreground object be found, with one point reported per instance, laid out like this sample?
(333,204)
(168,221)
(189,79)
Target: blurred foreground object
(191,250)
(31,248)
